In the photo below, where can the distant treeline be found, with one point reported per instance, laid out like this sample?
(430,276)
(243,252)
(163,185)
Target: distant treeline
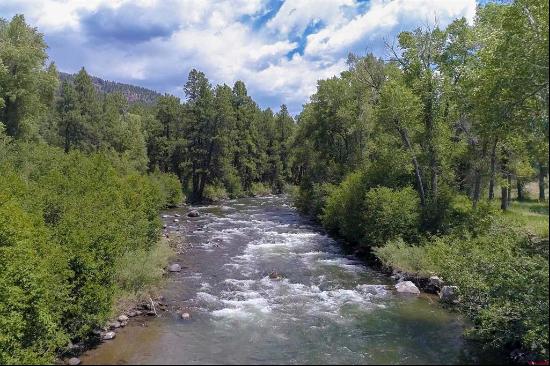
(133,93)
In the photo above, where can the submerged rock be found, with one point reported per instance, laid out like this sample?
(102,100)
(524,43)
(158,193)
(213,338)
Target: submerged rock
(407,287)
(174,267)
(193,213)
(275,276)
(109,335)
(74,361)
(449,294)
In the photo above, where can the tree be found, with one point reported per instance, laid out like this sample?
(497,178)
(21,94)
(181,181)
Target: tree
(26,87)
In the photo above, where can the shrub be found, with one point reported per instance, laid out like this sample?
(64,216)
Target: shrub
(169,187)
(259,189)
(311,200)
(503,284)
(371,217)
(343,211)
(141,269)
(389,214)
(215,192)
(401,256)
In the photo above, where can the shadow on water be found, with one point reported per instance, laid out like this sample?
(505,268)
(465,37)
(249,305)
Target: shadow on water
(327,307)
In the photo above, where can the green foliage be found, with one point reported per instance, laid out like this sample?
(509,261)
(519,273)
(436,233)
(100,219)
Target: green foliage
(215,192)
(370,217)
(65,222)
(260,189)
(504,287)
(390,214)
(141,269)
(169,187)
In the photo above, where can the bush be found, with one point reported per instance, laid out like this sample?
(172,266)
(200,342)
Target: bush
(397,254)
(140,271)
(311,200)
(389,214)
(371,217)
(259,189)
(503,284)
(169,187)
(343,211)
(215,192)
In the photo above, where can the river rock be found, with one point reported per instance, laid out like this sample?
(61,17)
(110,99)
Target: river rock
(114,325)
(165,216)
(185,316)
(449,294)
(123,318)
(407,287)
(109,335)
(434,285)
(193,213)
(275,276)
(174,267)
(176,220)
(177,215)
(74,361)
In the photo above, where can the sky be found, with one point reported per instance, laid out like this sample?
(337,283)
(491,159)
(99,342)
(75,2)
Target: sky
(279,48)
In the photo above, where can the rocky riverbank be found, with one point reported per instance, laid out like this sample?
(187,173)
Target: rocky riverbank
(140,310)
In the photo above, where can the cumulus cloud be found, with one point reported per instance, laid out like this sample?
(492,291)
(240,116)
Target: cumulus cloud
(279,49)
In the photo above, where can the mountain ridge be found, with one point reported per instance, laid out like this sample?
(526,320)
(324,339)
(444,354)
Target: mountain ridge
(133,93)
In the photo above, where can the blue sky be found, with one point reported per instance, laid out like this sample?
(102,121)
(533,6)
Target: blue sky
(279,48)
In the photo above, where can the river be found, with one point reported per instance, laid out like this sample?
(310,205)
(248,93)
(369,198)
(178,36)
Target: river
(329,307)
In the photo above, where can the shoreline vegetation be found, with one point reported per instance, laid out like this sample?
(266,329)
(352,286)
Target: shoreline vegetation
(425,160)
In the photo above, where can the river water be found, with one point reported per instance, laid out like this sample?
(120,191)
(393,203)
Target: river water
(328,308)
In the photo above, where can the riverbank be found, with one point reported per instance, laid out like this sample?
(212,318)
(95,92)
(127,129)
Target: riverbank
(142,275)
(491,266)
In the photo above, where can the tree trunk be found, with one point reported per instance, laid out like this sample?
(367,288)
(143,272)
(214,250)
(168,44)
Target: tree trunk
(407,143)
(519,184)
(477,187)
(504,196)
(542,174)
(493,171)
(509,195)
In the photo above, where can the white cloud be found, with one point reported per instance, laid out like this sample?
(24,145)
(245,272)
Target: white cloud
(215,37)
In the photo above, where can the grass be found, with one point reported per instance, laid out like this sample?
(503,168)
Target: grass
(532,215)
(139,273)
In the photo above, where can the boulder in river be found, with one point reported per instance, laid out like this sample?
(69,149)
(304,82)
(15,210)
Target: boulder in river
(165,216)
(74,361)
(449,294)
(275,276)
(185,316)
(123,318)
(174,267)
(114,325)
(407,287)
(193,213)
(109,335)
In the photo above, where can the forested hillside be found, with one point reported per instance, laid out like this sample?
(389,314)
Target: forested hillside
(132,93)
